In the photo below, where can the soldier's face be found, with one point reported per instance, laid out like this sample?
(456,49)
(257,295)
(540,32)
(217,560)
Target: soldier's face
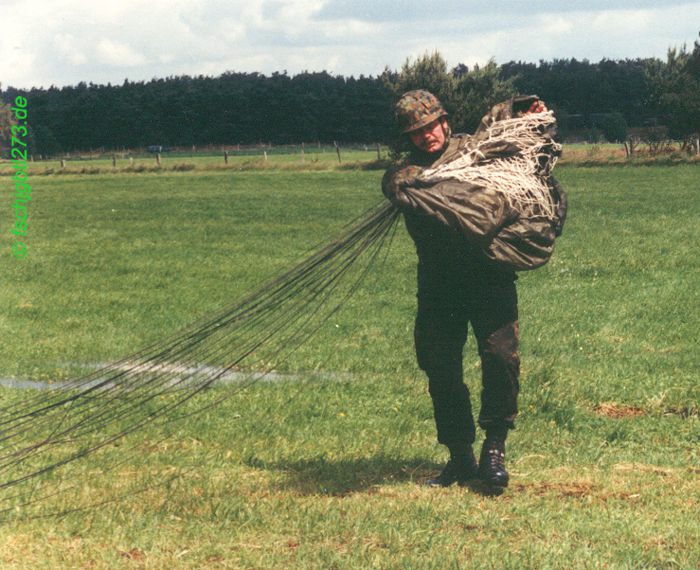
(431,137)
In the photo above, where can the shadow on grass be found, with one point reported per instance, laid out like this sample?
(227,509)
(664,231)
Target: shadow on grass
(323,476)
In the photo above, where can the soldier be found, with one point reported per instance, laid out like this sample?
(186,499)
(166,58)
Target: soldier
(458,285)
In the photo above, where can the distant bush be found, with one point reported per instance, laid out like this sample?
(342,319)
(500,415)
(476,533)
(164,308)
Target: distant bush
(183,167)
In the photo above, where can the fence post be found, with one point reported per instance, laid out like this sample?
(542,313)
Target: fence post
(225,157)
(337,150)
(131,161)
(63,163)
(302,152)
(114,161)
(265,154)
(158,158)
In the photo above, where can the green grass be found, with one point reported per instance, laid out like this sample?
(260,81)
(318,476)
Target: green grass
(326,473)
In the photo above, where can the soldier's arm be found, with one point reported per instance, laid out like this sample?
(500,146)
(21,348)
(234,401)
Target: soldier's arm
(514,107)
(476,212)
(561,203)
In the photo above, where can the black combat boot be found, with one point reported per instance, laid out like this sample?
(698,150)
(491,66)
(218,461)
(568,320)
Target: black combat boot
(460,468)
(492,469)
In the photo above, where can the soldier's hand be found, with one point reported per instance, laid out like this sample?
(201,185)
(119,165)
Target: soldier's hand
(407,176)
(536,107)
(395,181)
(526,104)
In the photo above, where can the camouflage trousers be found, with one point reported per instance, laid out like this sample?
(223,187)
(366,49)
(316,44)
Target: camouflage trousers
(440,335)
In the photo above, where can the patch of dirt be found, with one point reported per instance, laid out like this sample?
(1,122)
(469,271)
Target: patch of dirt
(134,554)
(576,489)
(618,411)
(643,468)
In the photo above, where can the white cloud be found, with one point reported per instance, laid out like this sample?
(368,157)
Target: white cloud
(69,48)
(557,25)
(620,21)
(118,54)
(81,40)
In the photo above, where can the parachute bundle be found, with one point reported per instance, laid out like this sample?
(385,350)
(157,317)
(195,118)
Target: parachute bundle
(518,177)
(494,188)
(43,434)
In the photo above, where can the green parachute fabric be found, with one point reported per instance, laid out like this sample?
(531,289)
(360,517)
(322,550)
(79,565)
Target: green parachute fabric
(495,188)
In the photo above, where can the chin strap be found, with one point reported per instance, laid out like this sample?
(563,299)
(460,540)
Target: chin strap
(447,131)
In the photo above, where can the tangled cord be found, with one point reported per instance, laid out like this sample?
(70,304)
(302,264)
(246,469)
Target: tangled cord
(41,435)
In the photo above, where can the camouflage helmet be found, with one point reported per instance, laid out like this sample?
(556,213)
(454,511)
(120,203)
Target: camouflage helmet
(416,109)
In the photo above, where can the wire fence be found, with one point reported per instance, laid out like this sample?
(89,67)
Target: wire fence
(262,151)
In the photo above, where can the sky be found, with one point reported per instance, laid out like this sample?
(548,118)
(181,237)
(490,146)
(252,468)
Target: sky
(63,42)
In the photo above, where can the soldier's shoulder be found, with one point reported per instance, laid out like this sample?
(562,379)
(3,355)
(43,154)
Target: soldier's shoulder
(455,144)
(458,140)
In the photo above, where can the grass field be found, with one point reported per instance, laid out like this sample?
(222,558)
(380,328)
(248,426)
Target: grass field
(326,473)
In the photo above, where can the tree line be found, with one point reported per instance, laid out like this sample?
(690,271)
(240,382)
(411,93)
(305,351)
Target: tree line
(590,99)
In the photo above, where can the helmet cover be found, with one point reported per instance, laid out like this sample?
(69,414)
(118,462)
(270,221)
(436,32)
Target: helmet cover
(416,109)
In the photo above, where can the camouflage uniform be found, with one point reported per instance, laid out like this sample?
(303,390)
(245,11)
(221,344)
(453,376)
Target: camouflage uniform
(459,285)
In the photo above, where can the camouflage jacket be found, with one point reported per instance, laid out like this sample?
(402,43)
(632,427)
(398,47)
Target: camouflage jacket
(476,212)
